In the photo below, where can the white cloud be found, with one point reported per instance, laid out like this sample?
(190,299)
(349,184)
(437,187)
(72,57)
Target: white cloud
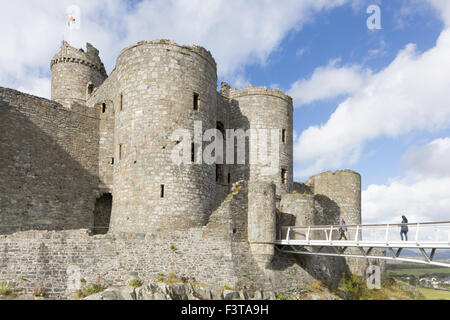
(443,9)
(431,160)
(422,195)
(411,94)
(328,82)
(421,201)
(238,33)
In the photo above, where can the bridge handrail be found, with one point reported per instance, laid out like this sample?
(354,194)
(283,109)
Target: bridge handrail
(367,225)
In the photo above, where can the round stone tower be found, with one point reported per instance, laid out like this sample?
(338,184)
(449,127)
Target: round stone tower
(343,189)
(162,88)
(76,73)
(340,194)
(269,112)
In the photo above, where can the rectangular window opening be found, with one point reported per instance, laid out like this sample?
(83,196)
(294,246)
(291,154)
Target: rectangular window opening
(196,102)
(229,178)
(112,161)
(120,152)
(193,152)
(284,136)
(121,102)
(103,107)
(162,191)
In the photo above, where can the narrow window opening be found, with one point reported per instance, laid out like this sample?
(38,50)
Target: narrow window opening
(193,152)
(162,191)
(68,51)
(121,102)
(112,161)
(90,88)
(284,176)
(284,136)
(120,152)
(102,214)
(229,178)
(103,107)
(219,173)
(196,102)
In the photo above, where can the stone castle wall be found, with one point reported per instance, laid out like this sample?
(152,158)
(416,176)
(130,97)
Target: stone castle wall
(48,164)
(105,100)
(218,254)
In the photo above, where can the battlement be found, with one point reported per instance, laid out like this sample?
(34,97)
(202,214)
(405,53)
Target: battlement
(172,45)
(89,58)
(333,173)
(254,90)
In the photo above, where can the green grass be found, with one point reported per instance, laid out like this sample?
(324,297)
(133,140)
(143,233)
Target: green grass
(6,289)
(420,272)
(411,269)
(431,294)
(136,283)
(355,289)
(90,290)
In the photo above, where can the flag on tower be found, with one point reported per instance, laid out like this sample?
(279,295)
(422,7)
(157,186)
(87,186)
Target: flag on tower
(73,17)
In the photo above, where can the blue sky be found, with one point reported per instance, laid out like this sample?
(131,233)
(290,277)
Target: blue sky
(370,100)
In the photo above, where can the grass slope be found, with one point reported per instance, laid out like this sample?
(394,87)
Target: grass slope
(431,294)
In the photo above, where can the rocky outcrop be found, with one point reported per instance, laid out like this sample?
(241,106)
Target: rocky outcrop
(189,291)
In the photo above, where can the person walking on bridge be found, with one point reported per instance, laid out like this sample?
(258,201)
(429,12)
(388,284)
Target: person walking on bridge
(404,228)
(342,229)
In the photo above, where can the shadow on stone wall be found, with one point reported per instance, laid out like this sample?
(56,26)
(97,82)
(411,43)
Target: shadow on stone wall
(326,269)
(328,211)
(238,172)
(42,187)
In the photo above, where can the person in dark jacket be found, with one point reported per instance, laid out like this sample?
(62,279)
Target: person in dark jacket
(404,228)
(342,230)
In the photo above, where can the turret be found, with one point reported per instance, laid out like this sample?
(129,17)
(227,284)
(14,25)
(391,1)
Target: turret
(76,73)
(163,88)
(269,115)
(343,188)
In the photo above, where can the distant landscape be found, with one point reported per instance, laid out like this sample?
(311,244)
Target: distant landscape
(432,281)
(441,255)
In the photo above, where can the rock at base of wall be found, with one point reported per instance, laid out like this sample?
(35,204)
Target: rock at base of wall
(179,291)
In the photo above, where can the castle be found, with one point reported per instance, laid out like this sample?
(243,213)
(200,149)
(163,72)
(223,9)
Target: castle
(87,179)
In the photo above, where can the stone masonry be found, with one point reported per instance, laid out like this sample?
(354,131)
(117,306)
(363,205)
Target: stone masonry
(87,180)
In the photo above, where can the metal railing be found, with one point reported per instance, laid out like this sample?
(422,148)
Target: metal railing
(433,234)
(365,238)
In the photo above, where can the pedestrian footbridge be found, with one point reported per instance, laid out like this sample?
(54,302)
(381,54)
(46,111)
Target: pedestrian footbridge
(424,238)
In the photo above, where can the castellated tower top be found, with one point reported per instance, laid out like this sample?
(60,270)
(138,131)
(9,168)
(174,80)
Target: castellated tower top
(76,73)
(250,90)
(172,45)
(70,54)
